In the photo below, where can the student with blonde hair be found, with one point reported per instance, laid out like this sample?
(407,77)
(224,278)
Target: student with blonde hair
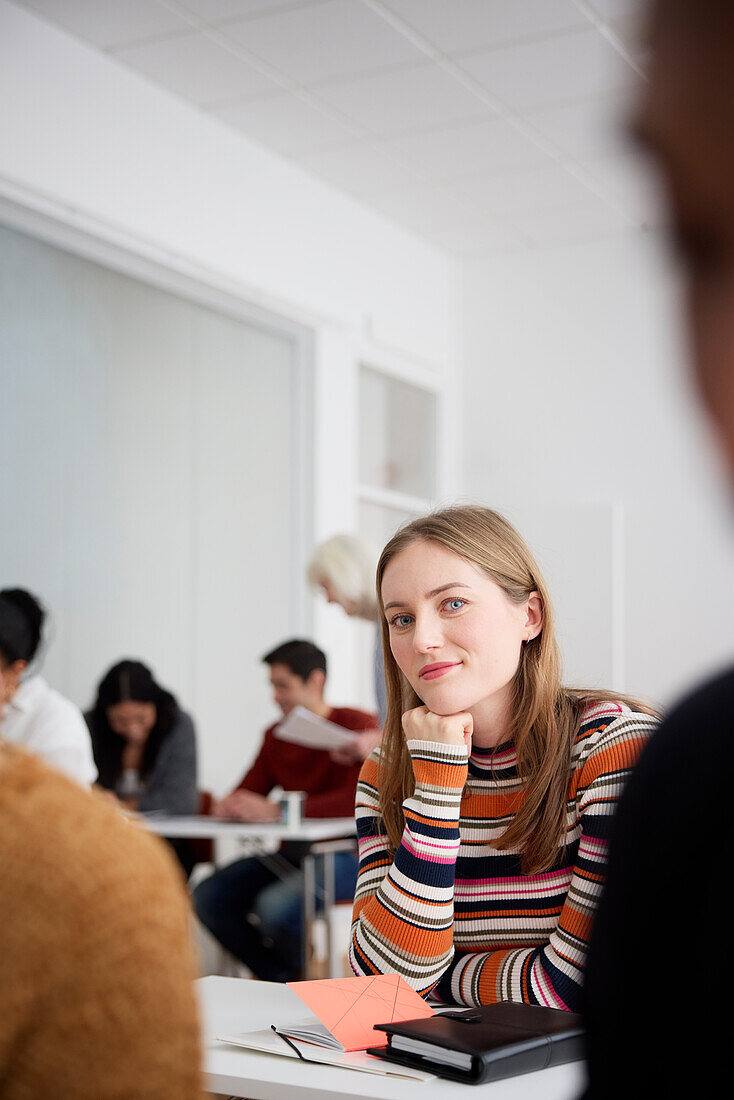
(484,815)
(343,569)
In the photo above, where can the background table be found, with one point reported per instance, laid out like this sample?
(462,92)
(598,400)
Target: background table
(327,836)
(230,1005)
(211,828)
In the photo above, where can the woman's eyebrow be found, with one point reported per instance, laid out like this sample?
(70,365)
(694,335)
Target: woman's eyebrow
(428,595)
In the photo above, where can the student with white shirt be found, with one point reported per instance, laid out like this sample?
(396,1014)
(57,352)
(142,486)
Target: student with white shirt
(33,714)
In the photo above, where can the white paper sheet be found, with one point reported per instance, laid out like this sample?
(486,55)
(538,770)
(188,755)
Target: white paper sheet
(269,1042)
(306,728)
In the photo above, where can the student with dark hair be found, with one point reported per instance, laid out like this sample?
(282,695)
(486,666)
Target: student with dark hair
(96,967)
(271,946)
(145,747)
(144,744)
(34,715)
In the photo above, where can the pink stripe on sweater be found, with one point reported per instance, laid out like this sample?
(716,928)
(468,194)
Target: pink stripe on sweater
(548,877)
(420,855)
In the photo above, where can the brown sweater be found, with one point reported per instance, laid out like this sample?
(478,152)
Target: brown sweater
(96,968)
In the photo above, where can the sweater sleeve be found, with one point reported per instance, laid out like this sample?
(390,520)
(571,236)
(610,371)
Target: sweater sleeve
(552,973)
(172,783)
(404,905)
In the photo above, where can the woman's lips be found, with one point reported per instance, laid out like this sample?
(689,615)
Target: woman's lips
(432,672)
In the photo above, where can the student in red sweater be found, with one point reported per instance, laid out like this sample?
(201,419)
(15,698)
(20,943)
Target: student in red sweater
(270,945)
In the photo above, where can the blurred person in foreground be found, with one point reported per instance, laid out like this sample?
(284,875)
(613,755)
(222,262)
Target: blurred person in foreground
(96,966)
(657,984)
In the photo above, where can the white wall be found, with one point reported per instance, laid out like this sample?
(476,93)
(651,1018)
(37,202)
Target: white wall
(137,462)
(579,424)
(97,158)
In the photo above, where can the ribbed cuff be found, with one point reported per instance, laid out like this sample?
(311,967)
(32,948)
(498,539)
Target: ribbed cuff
(436,764)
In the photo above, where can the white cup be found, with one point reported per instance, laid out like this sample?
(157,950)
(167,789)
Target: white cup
(291,803)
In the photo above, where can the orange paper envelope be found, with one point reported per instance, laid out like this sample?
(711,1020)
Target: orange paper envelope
(350,1007)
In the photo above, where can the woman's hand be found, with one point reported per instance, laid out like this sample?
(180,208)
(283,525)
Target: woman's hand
(421,724)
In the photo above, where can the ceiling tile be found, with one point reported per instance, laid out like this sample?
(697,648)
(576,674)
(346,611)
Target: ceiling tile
(592,128)
(550,71)
(412,99)
(456,25)
(581,222)
(613,9)
(631,182)
(109,23)
(359,169)
(544,188)
(324,41)
(285,123)
(198,69)
(470,149)
(213,11)
(444,216)
(628,30)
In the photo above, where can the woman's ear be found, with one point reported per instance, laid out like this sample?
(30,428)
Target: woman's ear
(534,616)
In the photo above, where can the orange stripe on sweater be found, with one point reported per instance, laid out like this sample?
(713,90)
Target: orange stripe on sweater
(576,924)
(419,942)
(488,979)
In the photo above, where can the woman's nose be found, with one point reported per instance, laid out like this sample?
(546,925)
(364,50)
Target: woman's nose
(427,634)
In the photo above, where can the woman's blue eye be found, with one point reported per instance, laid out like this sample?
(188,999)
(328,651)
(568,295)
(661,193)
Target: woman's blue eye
(401,620)
(456,604)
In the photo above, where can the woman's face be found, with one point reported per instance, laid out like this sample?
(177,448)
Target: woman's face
(131,720)
(454,633)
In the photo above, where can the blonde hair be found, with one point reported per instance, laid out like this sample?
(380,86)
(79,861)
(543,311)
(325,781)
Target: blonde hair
(545,713)
(347,564)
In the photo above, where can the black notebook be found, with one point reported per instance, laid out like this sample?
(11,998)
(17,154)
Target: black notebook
(485,1044)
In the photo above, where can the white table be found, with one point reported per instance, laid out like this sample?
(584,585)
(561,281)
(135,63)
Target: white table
(230,1005)
(211,828)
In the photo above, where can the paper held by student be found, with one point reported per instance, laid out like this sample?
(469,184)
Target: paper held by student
(305,728)
(344,1014)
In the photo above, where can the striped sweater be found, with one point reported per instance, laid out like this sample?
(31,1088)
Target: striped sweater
(455,916)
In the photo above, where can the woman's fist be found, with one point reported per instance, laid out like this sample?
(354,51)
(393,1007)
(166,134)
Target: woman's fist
(421,724)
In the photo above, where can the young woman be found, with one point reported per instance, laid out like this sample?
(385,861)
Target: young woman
(33,714)
(483,817)
(144,744)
